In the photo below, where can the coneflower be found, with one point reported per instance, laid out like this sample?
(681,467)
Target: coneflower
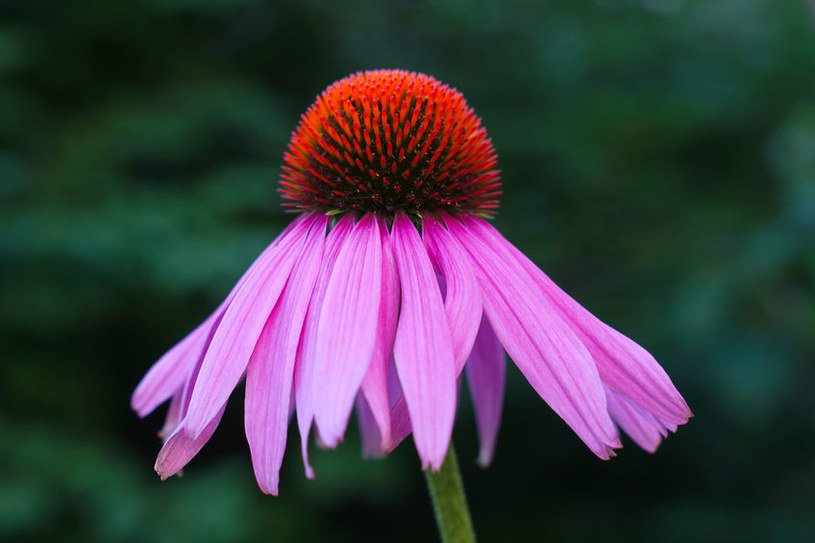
(386,287)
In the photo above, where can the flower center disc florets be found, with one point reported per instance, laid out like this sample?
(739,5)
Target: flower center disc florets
(389,140)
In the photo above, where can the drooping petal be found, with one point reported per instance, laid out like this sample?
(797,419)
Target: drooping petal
(375,384)
(462,304)
(347,329)
(641,426)
(544,348)
(304,365)
(621,362)
(169,373)
(463,297)
(181,447)
(270,372)
(486,370)
(423,349)
(240,327)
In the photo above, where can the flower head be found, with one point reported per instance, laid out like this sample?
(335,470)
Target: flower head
(385,289)
(388,141)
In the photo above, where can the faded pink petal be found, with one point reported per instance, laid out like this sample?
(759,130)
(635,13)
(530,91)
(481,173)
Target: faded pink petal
(423,350)
(463,297)
(305,361)
(270,372)
(375,384)
(621,363)
(236,336)
(544,348)
(486,370)
(347,329)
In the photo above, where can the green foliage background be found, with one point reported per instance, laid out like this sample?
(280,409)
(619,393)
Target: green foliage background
(659,163)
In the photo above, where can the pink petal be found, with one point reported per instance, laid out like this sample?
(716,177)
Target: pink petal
(375,384)
(304,365)
(423,350)
(347,329)
(241,325)
(375,391)
(168,374)
(270,372)
(182,446)
(369,429)
(400,418)
(641,426)
(400,423)
(463,296)
(173,417)
(621,362)
(462,304)
(171,370)
(485,376)
(543,347)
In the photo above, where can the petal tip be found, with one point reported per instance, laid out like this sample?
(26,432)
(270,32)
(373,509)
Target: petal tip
(329,439)
(434,461)
(306,463)
(484,460)
(270,489)
(163,470)
(139,403)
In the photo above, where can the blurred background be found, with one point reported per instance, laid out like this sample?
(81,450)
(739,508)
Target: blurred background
(658,161)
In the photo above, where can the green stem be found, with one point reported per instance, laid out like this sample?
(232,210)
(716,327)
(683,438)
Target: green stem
(449,502)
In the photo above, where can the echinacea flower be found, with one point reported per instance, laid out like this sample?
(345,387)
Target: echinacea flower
(386,287)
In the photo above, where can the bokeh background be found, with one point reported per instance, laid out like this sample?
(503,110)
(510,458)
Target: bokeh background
(659,163)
